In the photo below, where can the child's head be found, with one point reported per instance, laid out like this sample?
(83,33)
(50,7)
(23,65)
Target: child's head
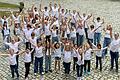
(39,44)
(11,51)
(57,45)
(91,27)
(27,50)
(98,19)
(33,35)
(75,45)
(99,46)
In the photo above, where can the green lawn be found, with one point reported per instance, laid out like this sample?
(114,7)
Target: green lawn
(7,5)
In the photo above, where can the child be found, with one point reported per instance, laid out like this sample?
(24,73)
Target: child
(80,63)
(67,58)
(74,54)
(27,61)
(12,62)
(57,51)
(38,64)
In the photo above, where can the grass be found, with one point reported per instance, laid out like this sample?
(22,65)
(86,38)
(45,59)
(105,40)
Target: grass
(7,5)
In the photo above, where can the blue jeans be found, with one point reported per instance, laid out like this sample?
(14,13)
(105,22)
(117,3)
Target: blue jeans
(47,62)
(114,56)
(38,62)
(73,39)
(107,41)
(80,39)
(14,69)
(54,39)
(97,37)
(79,70)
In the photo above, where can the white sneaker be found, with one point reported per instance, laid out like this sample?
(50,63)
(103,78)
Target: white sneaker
(35,74)
(26,78)
(80,78)
(42,73)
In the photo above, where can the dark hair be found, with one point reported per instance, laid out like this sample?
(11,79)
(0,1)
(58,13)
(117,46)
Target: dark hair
(33,21)
(32,34)
(28,25)
(98,18)
(45,7)
(99,45)
(91,26)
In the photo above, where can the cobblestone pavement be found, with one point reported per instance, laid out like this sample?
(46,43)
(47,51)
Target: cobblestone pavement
(109,9)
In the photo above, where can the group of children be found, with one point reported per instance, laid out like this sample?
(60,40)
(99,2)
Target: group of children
(55,31)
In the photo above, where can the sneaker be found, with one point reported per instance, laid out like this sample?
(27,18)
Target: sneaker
(35,74)
(42,73)
(80,78)
(26,78)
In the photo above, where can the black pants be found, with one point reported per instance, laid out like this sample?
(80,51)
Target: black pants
(17,59)
(79,70)
(28,45)
(114,58)
(14,69)
(99,60)
(74,62)
(86,33)
(87,62)
(27,69)
(67,67)
(32,55)
(48,38)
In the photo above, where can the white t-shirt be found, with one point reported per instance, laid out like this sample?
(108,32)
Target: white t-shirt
(84,21)
(74,17)
(28,33)
(107,34)
(115,45)
(46,13)
(27,57)
(12,59)
(98,24)
(6,30)
(54,33)
(16,19)
(39,52)
(67,56)
(73,33)
(58,52)
(13,46)
(99,53)
(34,41)
(47,30)
(80,62)
(74,53)
(91,34)
(55,11)
(87,55)
(81,31)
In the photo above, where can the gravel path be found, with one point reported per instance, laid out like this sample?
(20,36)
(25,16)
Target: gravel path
(107,9)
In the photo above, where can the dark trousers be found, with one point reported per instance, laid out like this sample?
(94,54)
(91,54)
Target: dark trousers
(74,62)
(114,57)
(14,69)
(86,33)
(27,69)
(38,64)
(17,59)
(99,60)
(48,38)
(67,67)
(28,45)
(87,62)
(79,70)
(32,55)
